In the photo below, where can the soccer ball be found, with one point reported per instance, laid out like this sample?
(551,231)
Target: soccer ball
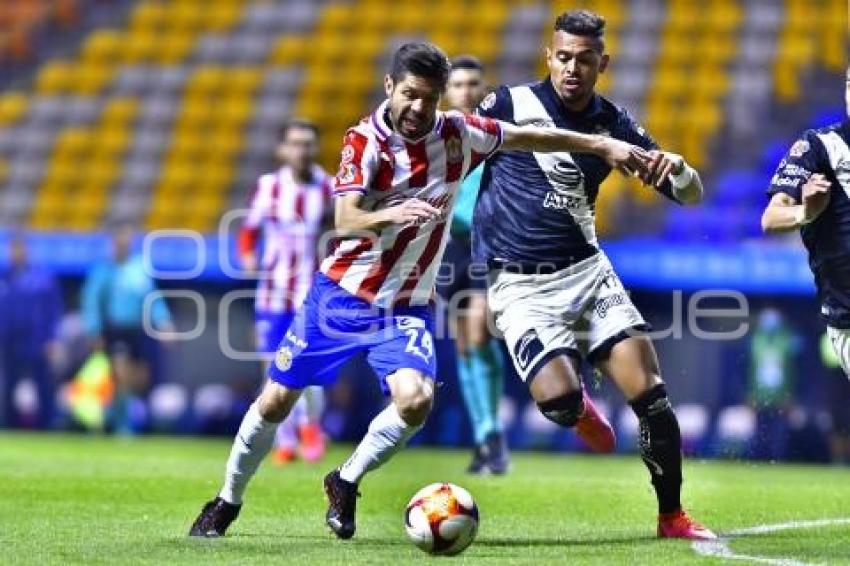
(441,518)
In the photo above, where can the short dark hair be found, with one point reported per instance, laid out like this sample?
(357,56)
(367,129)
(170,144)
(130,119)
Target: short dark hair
(583,22)
(470,62)
(420,59)
(297,124)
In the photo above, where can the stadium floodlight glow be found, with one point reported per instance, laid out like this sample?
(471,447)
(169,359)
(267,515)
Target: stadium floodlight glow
(174,275)
(194,296)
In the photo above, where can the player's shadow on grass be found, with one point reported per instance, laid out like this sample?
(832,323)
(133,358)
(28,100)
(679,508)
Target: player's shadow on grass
(566,542)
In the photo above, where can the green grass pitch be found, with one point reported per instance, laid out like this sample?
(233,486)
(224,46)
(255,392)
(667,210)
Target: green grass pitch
(72,499)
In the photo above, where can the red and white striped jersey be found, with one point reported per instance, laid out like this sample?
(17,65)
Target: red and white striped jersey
(400,263)
(289,215)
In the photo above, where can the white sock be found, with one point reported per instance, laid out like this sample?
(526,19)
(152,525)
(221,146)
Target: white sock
(388,433)
(252,443)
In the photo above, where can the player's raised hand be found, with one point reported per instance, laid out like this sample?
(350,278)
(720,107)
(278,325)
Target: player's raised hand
(626,158)
(661,165)
(815,196)
(413,210)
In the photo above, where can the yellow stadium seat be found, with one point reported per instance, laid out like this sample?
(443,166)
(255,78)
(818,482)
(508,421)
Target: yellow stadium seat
(91,78)
(55,77)
(174,48)
(120,111)
(243,79)
(13,105)
(139,47)
(74,141)
(288,51)
(103,46)
(149,16)
(220,16)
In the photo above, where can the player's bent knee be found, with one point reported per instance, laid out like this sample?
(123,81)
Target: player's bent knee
(414,403)
(275,401)
(563,410)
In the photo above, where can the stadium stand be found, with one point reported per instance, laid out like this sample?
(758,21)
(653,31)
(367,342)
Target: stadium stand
(167,116)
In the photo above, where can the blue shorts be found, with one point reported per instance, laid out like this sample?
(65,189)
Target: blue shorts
(270,328)
(332,325)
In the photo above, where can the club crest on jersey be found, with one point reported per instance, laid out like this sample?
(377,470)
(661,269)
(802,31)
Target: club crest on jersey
(283,359)
(347,173)
(799,148)
(527,348)
(454,150)
(347,154)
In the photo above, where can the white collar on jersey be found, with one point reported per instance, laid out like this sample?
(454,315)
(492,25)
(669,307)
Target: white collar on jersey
(384,130)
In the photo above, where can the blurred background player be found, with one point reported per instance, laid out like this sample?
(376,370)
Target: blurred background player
(479,362)
(774,351)
(809,193)
(289,210)
(553,291)
(400,170)
(31,309)
(112,301)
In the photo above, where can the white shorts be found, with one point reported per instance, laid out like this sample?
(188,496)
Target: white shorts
(580,311)
(840,339)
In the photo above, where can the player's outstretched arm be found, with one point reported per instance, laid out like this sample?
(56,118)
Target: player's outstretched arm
(625,157)
(350,218)
(784,213)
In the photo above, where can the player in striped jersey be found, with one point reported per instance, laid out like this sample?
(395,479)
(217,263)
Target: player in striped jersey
(400,171)
(289,209)
(464,287)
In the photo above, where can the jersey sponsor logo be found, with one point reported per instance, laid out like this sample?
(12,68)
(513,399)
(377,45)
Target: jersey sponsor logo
(527,348)
(555,201)
(408,322)
(566,178)
(602,306)
(489,101)
(796,171)
(454,151)
(348,154)
(783,181)
(799,148)
(295,340)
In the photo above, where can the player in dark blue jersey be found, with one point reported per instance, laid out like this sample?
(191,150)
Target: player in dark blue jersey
(555,295)
(810,192)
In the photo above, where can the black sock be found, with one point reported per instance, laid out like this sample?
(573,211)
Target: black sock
(660,446)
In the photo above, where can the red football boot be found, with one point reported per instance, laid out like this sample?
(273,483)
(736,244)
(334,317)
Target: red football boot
(678,524)
(313,444)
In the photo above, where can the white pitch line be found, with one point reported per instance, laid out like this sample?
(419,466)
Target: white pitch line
(720,548)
